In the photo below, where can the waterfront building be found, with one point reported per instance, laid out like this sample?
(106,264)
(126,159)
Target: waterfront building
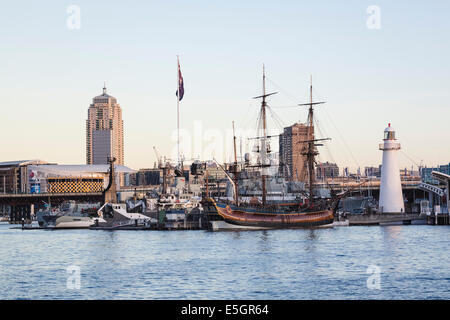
(391,196)
(327,170)
(291,148)
(147,177)
(154,177)
(372,171)
(215,173)
(72,178)
(409,173)
(14,175)
(104,130)
(37,176)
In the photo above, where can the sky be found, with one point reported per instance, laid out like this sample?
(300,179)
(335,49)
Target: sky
(377,67)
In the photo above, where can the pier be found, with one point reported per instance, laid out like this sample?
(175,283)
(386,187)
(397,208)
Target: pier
(385,219)
(438,219)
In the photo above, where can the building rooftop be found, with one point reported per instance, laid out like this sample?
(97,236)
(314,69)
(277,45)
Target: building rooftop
(104,95)
(19,163)
(85,168)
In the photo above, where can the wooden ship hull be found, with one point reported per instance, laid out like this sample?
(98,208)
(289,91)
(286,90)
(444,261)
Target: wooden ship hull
(258,217)
(265,214)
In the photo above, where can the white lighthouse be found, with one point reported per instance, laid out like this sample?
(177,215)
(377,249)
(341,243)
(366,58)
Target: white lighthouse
(391,197)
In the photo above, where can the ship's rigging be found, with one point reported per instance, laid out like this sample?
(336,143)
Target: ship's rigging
(309,150)
(274,213)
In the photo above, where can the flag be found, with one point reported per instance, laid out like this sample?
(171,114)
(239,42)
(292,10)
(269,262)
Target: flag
(180,84)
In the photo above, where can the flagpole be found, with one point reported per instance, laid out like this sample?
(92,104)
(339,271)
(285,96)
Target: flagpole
(178,107)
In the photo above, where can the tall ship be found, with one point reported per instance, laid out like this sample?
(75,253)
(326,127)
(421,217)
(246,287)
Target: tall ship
(263,212)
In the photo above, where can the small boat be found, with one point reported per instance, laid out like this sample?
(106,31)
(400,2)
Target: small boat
(221,225)
(114,216)
(70,222)
(341,223)
(70,215)
(175,207)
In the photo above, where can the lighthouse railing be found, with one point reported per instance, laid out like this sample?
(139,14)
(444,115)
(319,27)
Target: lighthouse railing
(389,146)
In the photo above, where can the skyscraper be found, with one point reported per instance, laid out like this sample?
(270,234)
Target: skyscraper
(292,161)
(104,130)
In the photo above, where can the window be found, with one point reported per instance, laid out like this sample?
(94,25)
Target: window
(389,135)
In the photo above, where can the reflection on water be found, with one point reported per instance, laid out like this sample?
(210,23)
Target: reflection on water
(312,234)
(392,246)
(264,244)
(236,235)
(392,232)
(311,239)
(270,264)
(264,235)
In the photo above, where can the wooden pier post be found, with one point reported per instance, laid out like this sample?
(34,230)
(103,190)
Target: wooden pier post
(11,215)
(19,214)
(28,213)
(16,215)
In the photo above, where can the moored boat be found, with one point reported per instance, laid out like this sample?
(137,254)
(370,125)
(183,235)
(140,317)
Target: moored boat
(266,214)
(71,222)
(70,215)
(116,217)
(271,217)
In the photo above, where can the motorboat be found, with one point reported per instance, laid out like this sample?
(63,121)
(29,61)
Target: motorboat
(70,215)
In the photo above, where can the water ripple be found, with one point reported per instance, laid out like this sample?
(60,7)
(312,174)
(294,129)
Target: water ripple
(277,264)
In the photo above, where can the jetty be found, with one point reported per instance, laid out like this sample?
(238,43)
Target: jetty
(385,219)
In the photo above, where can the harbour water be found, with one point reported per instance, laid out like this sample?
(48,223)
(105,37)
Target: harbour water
(332,263)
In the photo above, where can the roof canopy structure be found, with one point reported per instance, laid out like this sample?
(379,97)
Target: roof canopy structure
(54,168)
(445,178)
(80,168)
(19,163)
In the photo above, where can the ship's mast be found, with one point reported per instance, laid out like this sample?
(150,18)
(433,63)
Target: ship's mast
(311,111)
(311,151)
(236,189)
(263,140)
(264,137)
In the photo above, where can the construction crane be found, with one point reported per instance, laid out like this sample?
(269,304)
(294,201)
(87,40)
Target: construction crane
(165,166)
(158,157)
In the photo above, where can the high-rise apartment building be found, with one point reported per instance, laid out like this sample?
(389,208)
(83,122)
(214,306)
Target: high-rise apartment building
(104,130)
(292,147)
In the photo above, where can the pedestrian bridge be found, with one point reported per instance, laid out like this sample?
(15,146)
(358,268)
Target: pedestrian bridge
(445,178)
(431,188)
